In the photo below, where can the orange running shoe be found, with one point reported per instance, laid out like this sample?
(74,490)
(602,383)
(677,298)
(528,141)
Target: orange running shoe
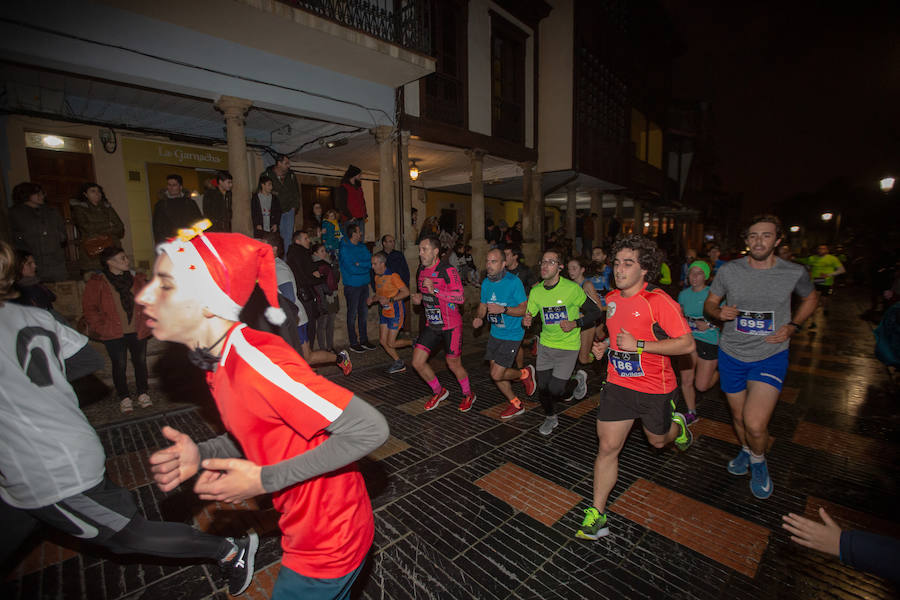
(436,399)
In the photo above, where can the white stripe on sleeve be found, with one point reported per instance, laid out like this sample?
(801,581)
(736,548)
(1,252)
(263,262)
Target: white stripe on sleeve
(263,365)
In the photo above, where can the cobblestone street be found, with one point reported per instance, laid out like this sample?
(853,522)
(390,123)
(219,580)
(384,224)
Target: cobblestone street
(467,506)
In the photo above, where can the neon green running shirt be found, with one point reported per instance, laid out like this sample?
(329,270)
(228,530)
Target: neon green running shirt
(561,303)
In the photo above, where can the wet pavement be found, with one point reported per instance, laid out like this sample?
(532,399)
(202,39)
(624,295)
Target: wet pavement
(467,506)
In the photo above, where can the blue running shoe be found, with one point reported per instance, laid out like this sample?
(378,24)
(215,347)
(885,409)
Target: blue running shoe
(760,483)
(740,463)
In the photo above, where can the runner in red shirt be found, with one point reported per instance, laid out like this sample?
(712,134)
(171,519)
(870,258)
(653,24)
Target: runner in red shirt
(299,432)
(645,328)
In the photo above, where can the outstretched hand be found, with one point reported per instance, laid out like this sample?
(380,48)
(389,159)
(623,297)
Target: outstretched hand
(812,534)
(179,462)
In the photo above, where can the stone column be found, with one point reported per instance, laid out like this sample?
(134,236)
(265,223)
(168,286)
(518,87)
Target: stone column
(532,211)
(235,109)
(597,209)
(476,224)
(409,236)
(571,221)
(531,248)
(387,205)
(528,216)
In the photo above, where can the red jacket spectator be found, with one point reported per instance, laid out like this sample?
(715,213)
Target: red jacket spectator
(100,309)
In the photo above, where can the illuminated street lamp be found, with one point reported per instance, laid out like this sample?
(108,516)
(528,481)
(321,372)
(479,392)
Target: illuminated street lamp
(795,228)
(827,216)
(887,184)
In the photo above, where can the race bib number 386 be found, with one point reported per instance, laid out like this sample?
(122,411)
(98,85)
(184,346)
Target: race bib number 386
(755,322)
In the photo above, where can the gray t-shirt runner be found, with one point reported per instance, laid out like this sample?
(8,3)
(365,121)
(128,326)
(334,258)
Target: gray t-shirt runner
(48,450)
(763,297)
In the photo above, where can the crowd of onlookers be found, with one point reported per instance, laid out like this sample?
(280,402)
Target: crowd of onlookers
(319,250)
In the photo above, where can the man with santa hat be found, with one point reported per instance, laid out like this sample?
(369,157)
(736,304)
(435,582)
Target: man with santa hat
(298,433)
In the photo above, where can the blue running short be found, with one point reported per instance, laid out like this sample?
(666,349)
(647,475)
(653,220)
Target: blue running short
(734,374)
(395,322)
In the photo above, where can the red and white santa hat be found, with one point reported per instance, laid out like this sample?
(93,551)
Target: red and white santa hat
(223,268)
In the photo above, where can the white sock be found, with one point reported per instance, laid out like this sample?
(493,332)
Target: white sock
(757,458)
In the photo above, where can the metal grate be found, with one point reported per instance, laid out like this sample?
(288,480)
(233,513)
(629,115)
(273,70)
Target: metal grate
(404,22)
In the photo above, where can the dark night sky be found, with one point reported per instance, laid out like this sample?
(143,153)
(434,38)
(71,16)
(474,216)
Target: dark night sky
(801,92)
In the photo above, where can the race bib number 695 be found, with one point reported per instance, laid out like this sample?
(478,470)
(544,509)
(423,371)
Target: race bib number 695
(755,322)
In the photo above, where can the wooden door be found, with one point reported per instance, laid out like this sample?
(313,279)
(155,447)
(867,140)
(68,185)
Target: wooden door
(61,174)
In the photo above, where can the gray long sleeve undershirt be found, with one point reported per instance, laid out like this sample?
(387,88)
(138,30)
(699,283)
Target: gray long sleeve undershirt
(359,430)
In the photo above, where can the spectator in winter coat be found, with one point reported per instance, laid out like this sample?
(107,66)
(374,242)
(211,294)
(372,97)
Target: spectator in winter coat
(31,291)
(331,233)
(265,208)
(217,202)
(174,210)
(356,269)
(326,292)
(115,319)
(286,189)
(350,201)
(39,229)
(98,224)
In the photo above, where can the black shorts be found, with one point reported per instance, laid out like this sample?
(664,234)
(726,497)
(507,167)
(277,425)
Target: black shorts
(502,352)
(95,514)
(707,351)
(432,339)
(617,403)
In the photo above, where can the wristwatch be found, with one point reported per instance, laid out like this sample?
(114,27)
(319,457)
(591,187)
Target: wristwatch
(640,346)
(505,308)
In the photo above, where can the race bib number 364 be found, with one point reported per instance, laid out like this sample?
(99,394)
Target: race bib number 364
(755,322)
(433,316)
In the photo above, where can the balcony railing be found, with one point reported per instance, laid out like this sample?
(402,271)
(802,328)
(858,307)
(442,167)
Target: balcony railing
(406,23)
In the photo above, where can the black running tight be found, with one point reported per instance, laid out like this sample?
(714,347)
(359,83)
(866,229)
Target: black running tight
(172,540)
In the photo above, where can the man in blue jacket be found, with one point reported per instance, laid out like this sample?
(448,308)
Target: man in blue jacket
(356,264)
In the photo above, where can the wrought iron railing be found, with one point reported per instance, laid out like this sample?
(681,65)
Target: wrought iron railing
(406,23)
